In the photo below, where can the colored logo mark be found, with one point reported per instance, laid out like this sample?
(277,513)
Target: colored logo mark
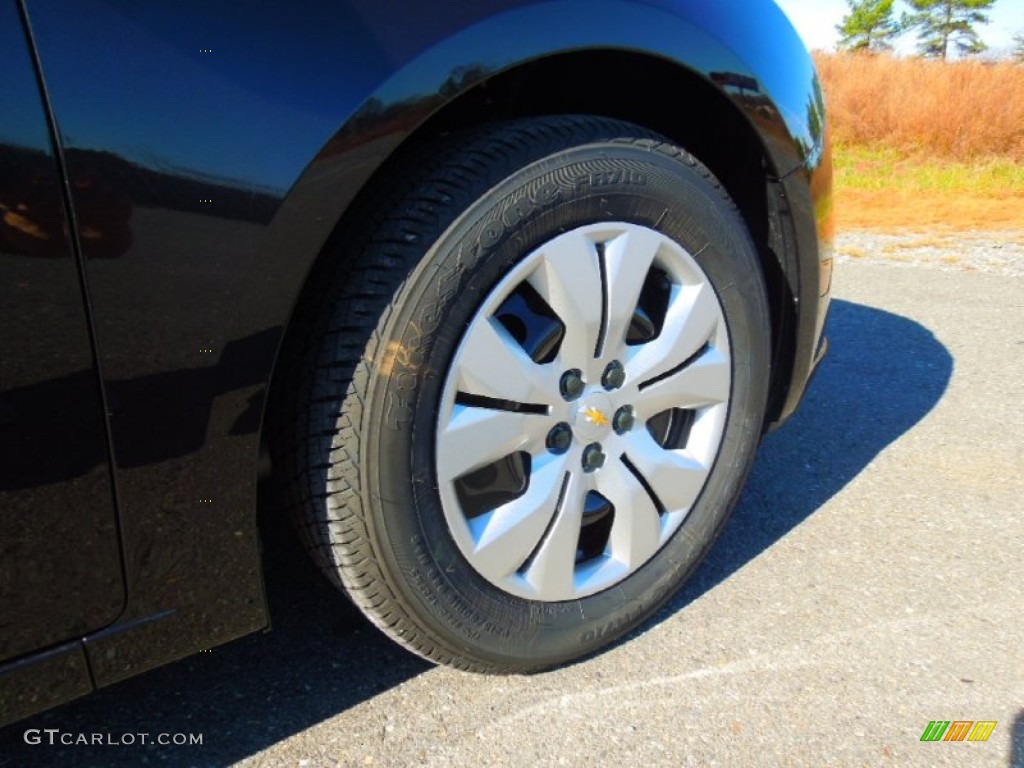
(958,730)
(594,416)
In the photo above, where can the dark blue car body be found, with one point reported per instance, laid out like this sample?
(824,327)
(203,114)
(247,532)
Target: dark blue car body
(169,175)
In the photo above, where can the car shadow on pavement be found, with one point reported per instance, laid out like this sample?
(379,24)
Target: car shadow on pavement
(320,658)
(1017,742)
(882,375)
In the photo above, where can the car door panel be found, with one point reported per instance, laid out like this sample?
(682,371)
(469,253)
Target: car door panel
(60,565)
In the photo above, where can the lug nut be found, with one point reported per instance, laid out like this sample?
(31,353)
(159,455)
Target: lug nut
(614,375)
(572,385)
(623,419)
(593,457)
(559,438)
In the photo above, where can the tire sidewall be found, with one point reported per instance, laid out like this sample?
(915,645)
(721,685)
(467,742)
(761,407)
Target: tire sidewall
(587,185)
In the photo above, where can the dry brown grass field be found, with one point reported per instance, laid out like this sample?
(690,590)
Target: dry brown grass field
(926,144)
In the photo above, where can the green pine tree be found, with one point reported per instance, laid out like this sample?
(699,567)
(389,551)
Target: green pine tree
(941,24)
(1018,47)
(868,27)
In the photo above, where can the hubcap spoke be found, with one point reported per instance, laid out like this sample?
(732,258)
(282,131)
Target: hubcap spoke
(703,382)
(636,531)
(569,279)
(552,571)
(476,437)
(675,477)
(628,259)
(691,320)
(505,537)
(492,364)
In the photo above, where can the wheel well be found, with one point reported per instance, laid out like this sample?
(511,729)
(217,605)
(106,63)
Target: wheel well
(642,89)
(677,103)
(661,96)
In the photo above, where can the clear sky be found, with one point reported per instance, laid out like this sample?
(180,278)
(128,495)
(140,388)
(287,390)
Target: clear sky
(816,21)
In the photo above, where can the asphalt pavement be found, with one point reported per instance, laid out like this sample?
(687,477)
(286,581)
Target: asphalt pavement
(871,581)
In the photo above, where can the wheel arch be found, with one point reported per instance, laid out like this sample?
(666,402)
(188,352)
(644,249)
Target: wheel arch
(747,138)
(675,101)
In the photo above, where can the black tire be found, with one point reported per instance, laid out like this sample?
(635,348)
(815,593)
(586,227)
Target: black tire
(368,353)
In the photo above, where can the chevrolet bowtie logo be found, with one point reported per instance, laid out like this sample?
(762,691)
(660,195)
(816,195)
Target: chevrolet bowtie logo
(594,416)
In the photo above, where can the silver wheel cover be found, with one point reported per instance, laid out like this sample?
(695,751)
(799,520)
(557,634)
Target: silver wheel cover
(591,278)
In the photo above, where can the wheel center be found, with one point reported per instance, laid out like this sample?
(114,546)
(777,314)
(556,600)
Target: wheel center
(593,417)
